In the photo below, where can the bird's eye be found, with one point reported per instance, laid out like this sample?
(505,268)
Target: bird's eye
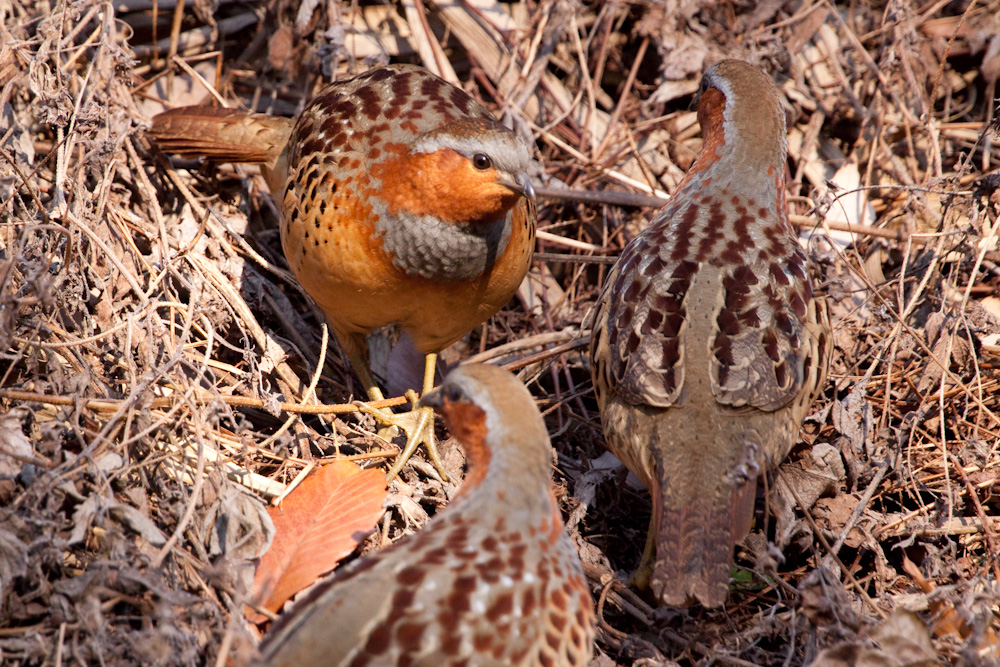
(454,393)
(481,161)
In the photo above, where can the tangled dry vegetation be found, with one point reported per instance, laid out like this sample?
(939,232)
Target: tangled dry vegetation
(155,358)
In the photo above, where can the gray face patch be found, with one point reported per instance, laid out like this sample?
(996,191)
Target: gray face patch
(469,137)
(427,247)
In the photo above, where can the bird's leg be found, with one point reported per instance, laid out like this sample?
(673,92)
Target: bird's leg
(418,423)
(360,365)
(643,574)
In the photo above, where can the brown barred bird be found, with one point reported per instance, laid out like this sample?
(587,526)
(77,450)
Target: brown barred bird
(403,202)
(493,581)
(708,345)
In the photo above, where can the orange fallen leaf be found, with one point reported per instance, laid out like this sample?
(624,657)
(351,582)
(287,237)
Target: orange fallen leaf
(317,525)
(947,619)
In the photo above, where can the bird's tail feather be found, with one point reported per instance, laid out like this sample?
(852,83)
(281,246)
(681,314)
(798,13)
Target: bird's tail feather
(223,135)
(694,543)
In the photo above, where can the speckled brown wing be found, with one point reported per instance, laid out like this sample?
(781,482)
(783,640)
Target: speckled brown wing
(446,597)
(759,313)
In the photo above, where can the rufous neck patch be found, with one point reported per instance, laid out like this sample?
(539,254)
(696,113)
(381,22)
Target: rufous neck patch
(711,117)
(467,424)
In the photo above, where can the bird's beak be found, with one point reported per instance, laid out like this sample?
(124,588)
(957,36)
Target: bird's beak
(522,186)
(432,399)
(527,189)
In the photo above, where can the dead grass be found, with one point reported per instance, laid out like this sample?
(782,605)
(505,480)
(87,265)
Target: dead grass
(155,357)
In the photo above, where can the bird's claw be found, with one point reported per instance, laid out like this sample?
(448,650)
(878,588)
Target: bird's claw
(418,425)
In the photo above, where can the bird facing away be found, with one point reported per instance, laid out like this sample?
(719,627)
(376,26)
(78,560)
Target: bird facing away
(708,345)
(403,202)
(493,580)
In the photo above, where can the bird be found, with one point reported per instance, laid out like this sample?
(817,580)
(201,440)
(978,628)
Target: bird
(707,344)
(403,202)
(494,579)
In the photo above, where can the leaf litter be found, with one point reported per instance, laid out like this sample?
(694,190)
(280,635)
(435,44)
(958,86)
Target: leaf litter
(157,360)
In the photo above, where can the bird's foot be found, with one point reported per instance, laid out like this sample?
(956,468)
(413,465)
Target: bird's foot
(642,576)
(418,425)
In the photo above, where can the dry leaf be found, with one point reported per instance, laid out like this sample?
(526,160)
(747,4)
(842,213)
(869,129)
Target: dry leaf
(947,619)
(901,641)
(13,559)
(14,446)
(851,203)
(820,474)
(824,601)
(318,524)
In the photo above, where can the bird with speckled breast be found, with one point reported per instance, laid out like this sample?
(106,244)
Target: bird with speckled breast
(708,345)
(494,580)
(403,202)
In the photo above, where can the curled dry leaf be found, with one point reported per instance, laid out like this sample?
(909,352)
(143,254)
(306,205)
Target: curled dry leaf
(948,620)
(317,525)
(901,641)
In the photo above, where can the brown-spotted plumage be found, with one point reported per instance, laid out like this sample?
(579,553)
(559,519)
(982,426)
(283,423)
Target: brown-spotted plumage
(708,345)
(493,580)
(403,202)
